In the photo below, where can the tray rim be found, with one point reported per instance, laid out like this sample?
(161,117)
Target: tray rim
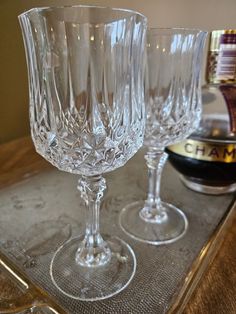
(203,260)
(33,296)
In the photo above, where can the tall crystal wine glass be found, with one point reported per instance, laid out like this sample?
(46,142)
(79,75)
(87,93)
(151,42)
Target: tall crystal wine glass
(173,100)
(86,75)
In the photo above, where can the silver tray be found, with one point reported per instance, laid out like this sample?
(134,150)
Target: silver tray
(38,214)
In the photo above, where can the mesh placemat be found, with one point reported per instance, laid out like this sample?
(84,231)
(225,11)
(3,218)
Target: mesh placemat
(37,215)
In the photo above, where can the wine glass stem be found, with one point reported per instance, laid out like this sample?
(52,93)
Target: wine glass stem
(93,250)
(155,160)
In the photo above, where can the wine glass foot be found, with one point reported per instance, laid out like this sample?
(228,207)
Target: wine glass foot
(165,231)
(93,283)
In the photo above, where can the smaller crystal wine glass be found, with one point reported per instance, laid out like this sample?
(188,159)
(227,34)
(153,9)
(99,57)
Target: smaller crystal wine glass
(87,115)
(173,101)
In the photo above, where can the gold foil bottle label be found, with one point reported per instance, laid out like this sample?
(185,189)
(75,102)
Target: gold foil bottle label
(205,151)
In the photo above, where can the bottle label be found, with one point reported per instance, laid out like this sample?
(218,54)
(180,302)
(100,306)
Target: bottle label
(226,63)
(229,93)
(205,151)
(221,60)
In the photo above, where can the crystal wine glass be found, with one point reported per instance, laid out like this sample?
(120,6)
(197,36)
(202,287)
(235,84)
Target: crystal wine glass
(173,100)
(86,74)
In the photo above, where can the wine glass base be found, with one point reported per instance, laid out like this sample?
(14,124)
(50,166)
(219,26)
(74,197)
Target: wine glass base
(93,283)
(167,231)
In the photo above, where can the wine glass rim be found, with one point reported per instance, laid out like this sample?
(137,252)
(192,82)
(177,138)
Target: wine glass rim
(45,8)
(178,29)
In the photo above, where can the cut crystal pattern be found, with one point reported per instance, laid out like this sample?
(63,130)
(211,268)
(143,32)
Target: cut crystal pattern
(173,86)
(86,92)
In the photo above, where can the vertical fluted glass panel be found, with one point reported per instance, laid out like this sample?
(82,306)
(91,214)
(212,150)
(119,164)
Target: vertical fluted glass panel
(86,86)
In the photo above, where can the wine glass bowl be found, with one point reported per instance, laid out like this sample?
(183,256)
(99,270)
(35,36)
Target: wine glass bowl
(80,114)
(173,102)
(87,117)
(174,89)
